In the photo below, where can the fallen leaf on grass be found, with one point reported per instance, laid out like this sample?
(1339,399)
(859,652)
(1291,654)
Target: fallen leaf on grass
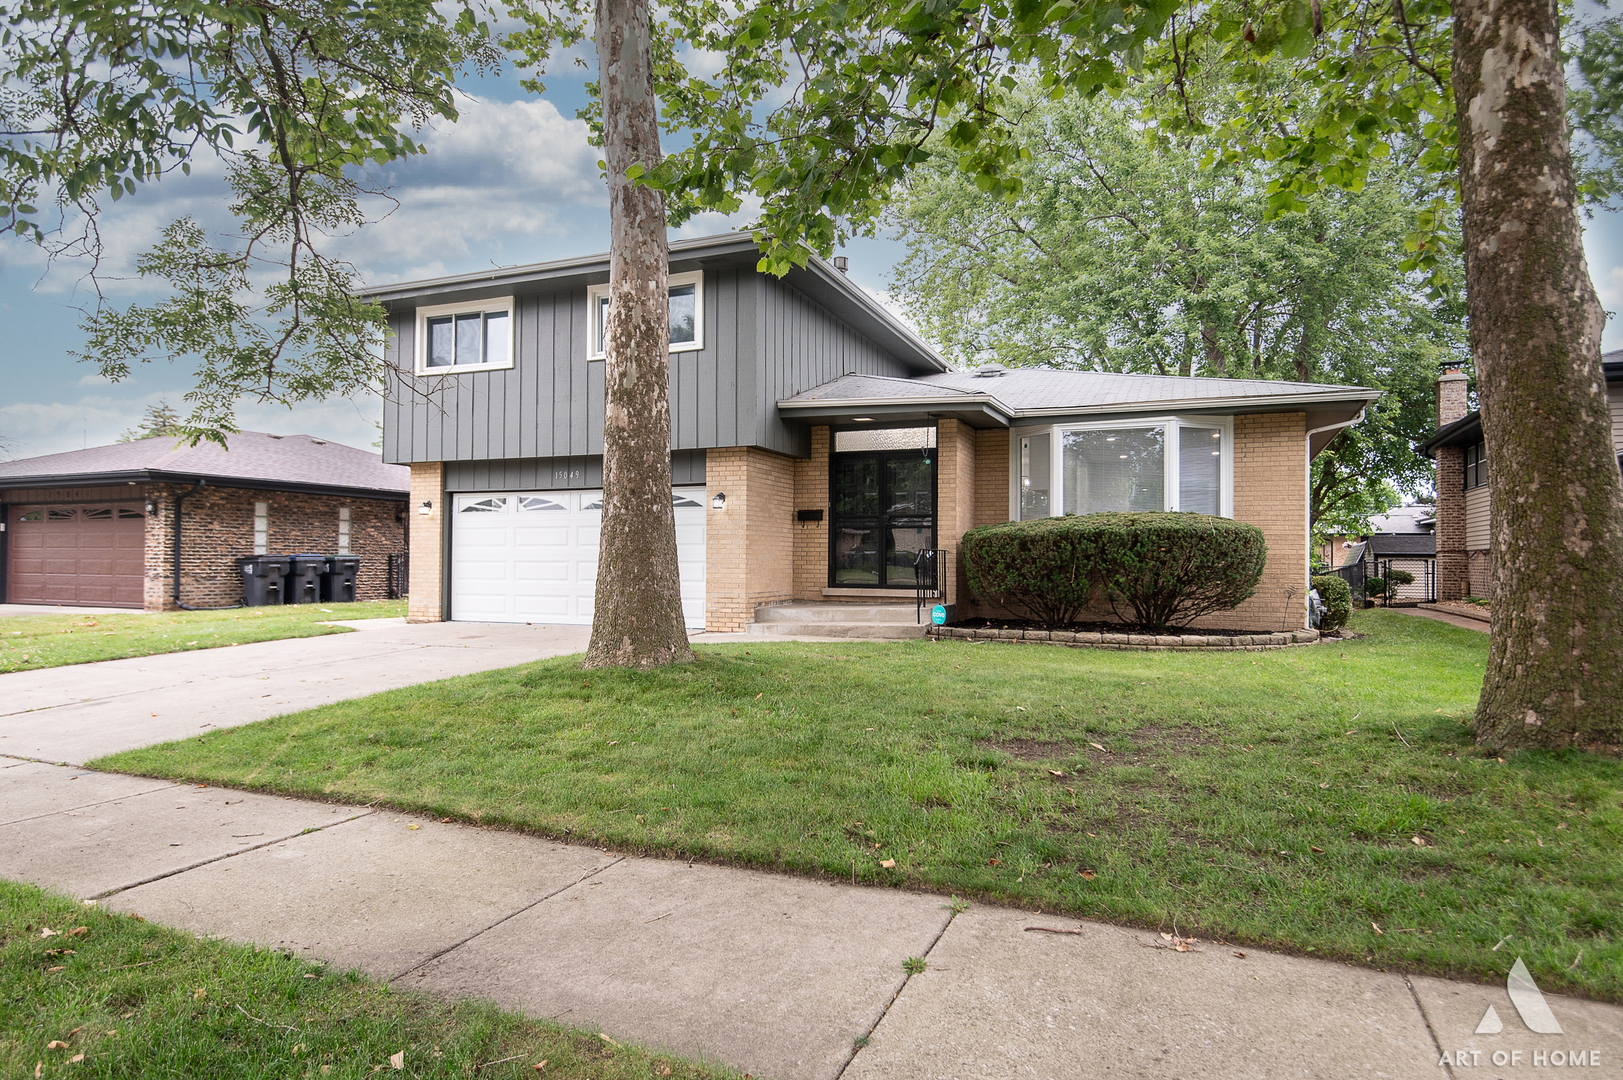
(888,864)
(1377,929)
(75,1059)
(1087,875)
(39,1069)
(56,1044)
(1320,850)
(1099,748)
(1056,772)
(994,862)
(79,931)
(606,1039)
(1417,841)
(541,1066)
(397,1060)
(50,970)
(46,931)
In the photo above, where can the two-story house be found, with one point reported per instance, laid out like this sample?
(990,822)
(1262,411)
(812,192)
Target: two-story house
(817,445)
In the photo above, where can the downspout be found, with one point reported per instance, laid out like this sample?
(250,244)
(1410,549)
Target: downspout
(1307,508)
(179,498)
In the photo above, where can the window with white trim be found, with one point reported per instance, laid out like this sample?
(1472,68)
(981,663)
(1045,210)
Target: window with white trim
(343,530)
(1160,464)
(686,313)
(455,338)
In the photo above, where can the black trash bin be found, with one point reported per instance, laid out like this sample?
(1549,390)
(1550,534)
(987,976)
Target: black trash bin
(304,578)
(338,579)
(262,578)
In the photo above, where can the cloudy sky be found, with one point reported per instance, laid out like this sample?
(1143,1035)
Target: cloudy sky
(514,181)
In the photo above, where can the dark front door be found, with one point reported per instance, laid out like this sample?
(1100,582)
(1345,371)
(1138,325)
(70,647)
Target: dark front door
(883,515)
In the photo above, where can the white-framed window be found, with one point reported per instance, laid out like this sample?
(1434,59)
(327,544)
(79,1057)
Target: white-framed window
(1160,463)
(343,530)
(261,528)
(454,338)
(687,314)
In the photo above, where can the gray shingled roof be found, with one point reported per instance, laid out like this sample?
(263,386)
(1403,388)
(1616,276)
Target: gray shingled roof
(1383,545)
(1023,391)
(253,456)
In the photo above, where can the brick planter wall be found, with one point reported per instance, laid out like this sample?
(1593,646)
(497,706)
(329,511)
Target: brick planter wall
(1131,642)
(218,526)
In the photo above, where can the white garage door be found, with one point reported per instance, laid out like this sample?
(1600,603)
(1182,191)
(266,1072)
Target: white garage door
(532,556)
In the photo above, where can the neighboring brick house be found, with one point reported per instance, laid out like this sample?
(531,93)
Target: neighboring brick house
(817,445)
(97,526)
(1464,481)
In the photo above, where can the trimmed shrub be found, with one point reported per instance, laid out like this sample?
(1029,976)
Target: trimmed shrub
(1168,569)
(1336,595)
(1374,587)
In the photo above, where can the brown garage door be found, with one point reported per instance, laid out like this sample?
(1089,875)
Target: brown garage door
(87,555)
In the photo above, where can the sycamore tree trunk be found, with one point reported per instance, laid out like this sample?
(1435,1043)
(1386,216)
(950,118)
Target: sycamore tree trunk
(1555,665)
(637,620)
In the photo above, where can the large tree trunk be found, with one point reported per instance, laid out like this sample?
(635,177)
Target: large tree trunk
(637,621)
(1555,667)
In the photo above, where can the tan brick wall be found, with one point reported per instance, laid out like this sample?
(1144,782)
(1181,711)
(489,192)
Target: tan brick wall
(217,526)
(750,545)
(427,546)
(1270,492)
(956,497)
(991,476)
(811,538)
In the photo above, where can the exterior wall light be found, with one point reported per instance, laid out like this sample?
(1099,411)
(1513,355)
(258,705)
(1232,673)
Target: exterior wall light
(426,508)
(720,501)
(152,507)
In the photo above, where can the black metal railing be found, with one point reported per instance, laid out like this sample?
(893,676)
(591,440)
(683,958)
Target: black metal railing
(929,566)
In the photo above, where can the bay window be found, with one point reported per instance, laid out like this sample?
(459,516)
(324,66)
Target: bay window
(1161,464)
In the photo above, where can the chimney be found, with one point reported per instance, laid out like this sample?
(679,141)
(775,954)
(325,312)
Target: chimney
(1451,400)
(841,263)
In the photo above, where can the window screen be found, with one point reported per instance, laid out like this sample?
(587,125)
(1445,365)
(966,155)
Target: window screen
(1200,470)
(684,309)
(471,338)
(1114,470)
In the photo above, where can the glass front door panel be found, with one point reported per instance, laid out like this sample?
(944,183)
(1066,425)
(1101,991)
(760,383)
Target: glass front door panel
(883,511)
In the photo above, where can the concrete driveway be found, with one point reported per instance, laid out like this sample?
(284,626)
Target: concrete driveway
(777,976)
(73,714)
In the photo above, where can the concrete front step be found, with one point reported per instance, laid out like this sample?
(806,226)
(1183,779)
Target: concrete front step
(885,631)
(841,613)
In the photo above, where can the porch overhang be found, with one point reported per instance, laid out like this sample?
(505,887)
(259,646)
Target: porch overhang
(975,410)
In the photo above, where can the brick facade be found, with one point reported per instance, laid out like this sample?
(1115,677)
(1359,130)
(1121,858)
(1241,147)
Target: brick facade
(956,498)
(217,526)
(750,545)
(991,476)
(811,538)
(427,542)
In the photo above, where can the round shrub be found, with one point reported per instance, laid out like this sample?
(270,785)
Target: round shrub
(1374,587)
(1336,595)
(1167,569)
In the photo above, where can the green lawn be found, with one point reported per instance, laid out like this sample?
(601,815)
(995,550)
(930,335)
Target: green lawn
(1295,799)
(41,641)
(124,998)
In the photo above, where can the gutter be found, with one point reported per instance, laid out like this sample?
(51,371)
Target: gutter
(1307,489)
(158,476)
(180,497)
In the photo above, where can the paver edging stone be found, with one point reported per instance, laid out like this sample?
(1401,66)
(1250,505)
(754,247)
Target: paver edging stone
(1087,639)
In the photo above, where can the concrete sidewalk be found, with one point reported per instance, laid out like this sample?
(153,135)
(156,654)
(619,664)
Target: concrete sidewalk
(778,976)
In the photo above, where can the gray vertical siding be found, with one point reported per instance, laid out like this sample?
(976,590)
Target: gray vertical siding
(763,341)
(554,473)
(805,345)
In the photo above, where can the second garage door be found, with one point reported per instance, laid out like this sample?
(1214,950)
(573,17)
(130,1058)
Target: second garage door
(532,556)
(77,555)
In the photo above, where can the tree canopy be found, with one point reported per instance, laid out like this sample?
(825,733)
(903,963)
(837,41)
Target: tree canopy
(1117,252)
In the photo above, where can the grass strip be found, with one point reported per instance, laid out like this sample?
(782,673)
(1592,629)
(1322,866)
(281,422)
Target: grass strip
(1326,800)
(28,642)
(108,995)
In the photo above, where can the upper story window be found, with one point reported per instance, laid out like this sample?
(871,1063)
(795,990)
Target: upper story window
(461,337)
(1169,464)
(1476,466)
(686,317)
